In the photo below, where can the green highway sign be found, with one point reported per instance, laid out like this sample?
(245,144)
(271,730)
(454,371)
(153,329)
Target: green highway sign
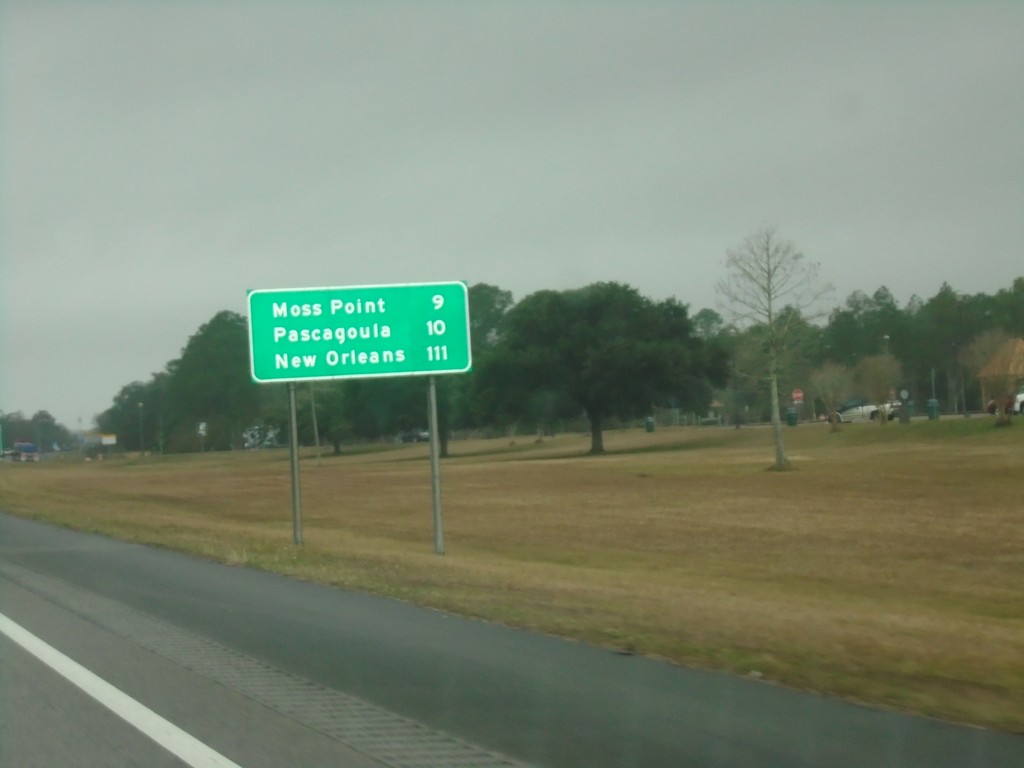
(359,332)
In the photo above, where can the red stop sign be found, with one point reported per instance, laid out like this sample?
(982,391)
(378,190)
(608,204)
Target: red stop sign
(798,396)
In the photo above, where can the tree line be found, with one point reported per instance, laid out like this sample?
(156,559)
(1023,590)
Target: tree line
(870,345)
(586,356)
(598,352)
(41,428)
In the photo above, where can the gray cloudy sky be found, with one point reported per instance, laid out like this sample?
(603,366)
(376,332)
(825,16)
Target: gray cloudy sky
(158,159)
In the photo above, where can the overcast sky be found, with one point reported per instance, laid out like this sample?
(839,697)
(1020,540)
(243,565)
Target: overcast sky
(158,159)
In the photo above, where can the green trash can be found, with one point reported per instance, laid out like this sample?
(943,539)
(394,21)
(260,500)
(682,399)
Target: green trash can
(933,409)
(649,424)
(791,416)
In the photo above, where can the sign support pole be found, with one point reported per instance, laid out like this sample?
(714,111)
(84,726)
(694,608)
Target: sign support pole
(435,465)
(316,430)
(296,500)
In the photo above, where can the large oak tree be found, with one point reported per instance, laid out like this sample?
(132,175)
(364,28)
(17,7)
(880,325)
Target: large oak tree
(211,383)
(604,347)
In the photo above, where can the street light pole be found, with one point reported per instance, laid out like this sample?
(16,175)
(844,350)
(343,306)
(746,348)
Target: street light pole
(140,430)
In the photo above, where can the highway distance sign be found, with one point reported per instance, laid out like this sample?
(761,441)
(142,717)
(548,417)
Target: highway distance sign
(367,331)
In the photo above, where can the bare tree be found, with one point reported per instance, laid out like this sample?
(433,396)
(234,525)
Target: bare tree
(832,383)
(766,274)
(983,348)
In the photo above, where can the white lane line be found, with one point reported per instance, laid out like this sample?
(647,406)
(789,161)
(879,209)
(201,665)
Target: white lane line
(166,734)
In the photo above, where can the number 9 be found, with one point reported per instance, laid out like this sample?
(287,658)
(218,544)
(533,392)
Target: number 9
(438,301)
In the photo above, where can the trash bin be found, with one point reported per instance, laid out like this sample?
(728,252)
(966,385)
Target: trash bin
(933,409)
(649,424)
(791,416)
(905,412)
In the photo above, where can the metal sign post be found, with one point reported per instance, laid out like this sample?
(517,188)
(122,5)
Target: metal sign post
(294,440)
(316,429)
(435,465)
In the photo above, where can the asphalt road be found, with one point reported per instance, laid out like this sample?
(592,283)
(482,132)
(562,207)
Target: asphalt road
(259,667)
(45,720)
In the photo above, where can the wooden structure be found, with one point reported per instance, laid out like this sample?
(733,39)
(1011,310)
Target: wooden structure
(1004,372)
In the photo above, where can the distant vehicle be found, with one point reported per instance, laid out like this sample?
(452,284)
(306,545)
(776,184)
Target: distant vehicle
(25,451)
(415,436)
(258,436)
(863,409)
(1012,404)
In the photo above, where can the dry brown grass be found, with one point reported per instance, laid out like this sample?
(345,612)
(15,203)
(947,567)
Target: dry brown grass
(888,568)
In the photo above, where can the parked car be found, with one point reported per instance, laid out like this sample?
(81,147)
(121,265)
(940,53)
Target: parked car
(415,436)
(864,409)
(1012,404)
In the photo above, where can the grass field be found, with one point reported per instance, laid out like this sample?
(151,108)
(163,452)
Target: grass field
(887,568)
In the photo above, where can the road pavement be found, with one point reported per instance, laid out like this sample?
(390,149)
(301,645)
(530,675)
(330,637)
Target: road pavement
(387,683)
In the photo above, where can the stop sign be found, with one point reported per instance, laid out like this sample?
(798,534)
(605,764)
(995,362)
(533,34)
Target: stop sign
(798,396)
